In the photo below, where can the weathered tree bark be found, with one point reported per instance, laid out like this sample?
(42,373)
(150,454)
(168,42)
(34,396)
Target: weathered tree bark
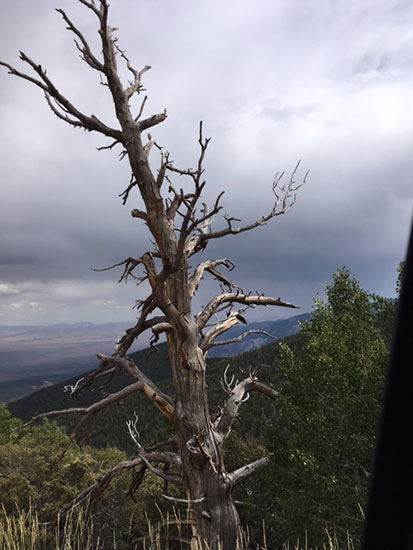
(180,229)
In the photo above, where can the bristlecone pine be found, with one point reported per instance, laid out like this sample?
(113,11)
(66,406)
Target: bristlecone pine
(181,227)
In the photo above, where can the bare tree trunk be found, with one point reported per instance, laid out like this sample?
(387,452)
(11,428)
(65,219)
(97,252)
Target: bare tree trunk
(202,459)
(202,456)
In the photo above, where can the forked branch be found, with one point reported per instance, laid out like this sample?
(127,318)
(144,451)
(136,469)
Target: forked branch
(211,267)
(160,399)
(93,493)
(232,298)
(130,264)
(63,107)
(167,458)
(220,328)
(285,197)
(89,413)
(237,395)
(86,52)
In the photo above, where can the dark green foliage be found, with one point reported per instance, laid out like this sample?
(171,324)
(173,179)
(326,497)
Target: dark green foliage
(40,471)
(323,445)
(400,270)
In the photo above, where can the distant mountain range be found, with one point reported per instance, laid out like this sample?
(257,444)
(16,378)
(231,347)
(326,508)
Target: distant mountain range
(33,357)
(20,329)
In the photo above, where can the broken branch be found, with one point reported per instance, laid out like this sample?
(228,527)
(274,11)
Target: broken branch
(248,470)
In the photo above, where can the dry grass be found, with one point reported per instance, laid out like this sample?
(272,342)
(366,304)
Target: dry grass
(23,531)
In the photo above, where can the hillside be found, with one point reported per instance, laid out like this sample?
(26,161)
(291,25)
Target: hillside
(110,427)
(279,328)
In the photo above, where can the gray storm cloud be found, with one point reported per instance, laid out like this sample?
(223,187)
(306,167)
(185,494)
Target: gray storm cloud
(329,83)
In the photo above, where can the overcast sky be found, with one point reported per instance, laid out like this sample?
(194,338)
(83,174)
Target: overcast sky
(328,82)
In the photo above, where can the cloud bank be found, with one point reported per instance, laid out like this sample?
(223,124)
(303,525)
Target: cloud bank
(328,83)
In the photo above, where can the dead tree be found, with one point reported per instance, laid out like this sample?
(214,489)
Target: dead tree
(181,227)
